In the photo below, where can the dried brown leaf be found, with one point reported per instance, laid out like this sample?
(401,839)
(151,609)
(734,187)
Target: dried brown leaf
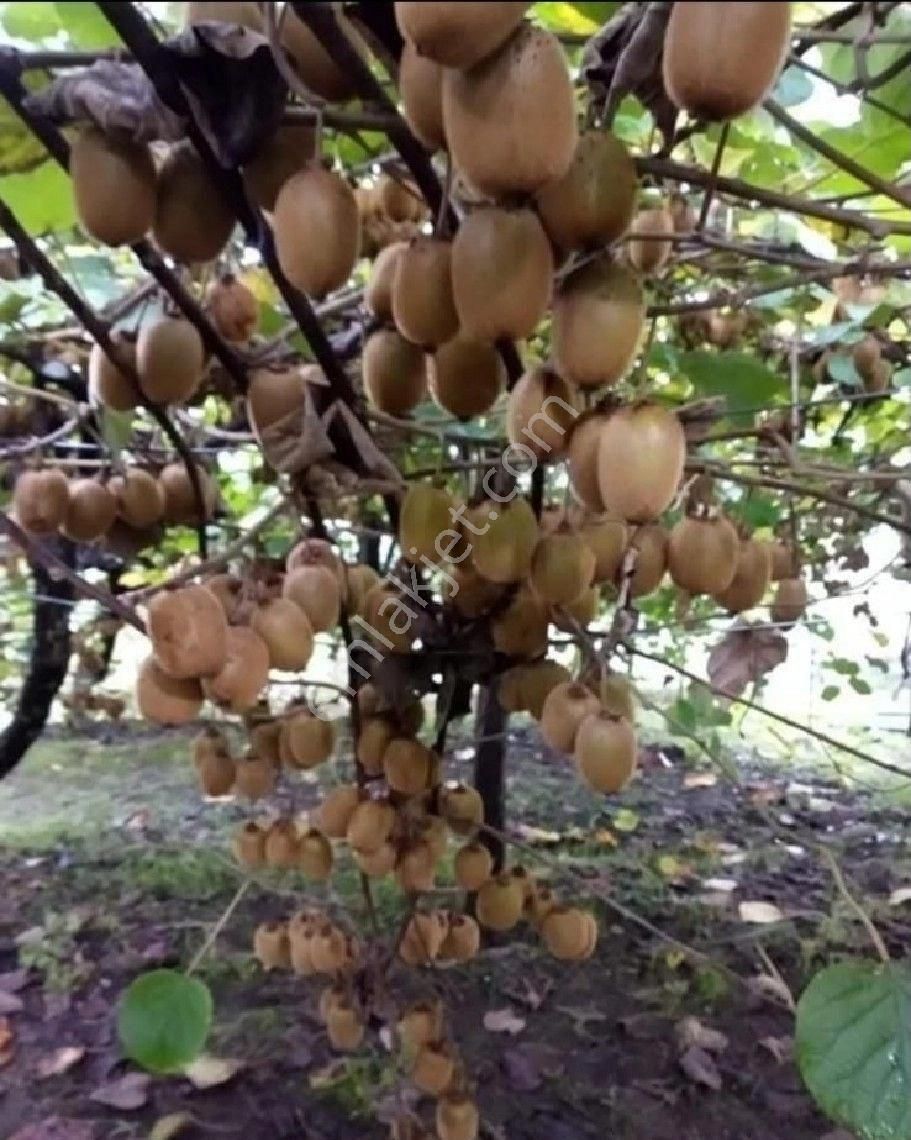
(691,1032)
(60,1061)
(503,1021)
(745,655)
(127,1093)
(700,1068)
(206,1072)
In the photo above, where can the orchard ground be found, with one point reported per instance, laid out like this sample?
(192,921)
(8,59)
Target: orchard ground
(112,864)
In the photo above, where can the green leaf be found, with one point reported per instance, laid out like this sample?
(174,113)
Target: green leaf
(164,1019)
(85,25)
(841,369)
(830,692)
(853,1047)
(42,200)
(744,380)
(844,667)
(581,19)
(30,21)
(859,685)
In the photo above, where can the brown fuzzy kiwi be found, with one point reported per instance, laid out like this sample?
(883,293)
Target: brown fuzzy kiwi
(650,246)
(582,459)
(264,741)
(315,552)
(188,631)
(273,395)
(344,1028)
(720,60)
(463,939)
(255,778)
(487,112)
(271,947)
(114,186)
(426,515)
(309,739)
(315,855)
(282,844)
(640,461)
(725,329)
(169,360)
(503,538)
(166,700)
(423,937)
(390,618)
(536,681)
(334,814)
(607,536)
(233,308)
(332,996)
(879,378)
(301,934)
(562,567)
(361,580)
(421,1023)
(502,270)
(286,152)
(510,693)
(473,866)
(378,290)
(421,92)
(521,629)
(605,751)
(370,825)
(566,707)
(458,35)
(566,933)
(245,673)
(783,560)
(702,554)
(108,385)
(41,500)
(140,498)
(415,868)
(469,594)
(316,202)
(379,863)
(180,504)
(582,611)
(462,808)
(407,765)
(422,303)
(241,12)
(376,733)
(650,543)
(399,199)
(598,319)
(249,844)
(790,601)
(457,1117)
(192,219)
(227,588)
(286,631)
(210,742)
(866,355)
(316,67)
(214,765)
(540,413)
(434,1068)
(499,903)
(315,590)
(751,577)
(328,951)
(618,696)
(466,376)
(395,373)
(592,204)
(538,905)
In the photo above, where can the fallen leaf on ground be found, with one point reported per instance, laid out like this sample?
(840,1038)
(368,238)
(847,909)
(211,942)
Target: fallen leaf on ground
(60,1061)
(700,1068)
(330,1074)
(13,981)
(6,1042)
(126,1093)
(720,884)
(56,1128)
(781,1048)
(10,1003)
(768,986)
(759,912)
(172,1125)
(206,1072)
(700,780)
(527,1065)
(900,895)
(691,1032)
(529,995)
(538,835)
(581,1016)
(503,1021)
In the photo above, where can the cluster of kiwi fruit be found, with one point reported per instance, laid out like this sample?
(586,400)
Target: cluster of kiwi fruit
(45,501)
(167,358)
(873,368)
(391,212)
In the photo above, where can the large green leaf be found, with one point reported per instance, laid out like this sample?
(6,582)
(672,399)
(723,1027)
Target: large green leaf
(746,382)
(853,1047)
(81,23)
(164,1019)
(42,200)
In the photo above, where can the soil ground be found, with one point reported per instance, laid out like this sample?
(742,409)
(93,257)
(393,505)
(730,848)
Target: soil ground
(111,864)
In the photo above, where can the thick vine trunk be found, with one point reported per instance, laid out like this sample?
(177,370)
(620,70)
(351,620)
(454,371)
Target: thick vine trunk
(490,765)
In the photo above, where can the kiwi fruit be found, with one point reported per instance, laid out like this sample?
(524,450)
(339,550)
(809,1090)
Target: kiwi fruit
(315,590)
(227,588)
(720,60)
(192,219)
(582,459)
(315,855)
(180,505)
(423,938)
(537,680)
(245,673)
(503,538)
(784,560)
(640,461)
(41,500)
(521,629)
(434,1068)
(462,808)
(510,693)
(378,290)
(581,611)
(569,934)
(434,831)
(188,631)
(169,360)
(282,843)
(649,246)
(562,567)
(605,751)
(140,498)
(866,355)
(344,1028)
(566,706)
(473,866)
(328,950)
(466,376)
(467,592)
(334,814)
(592,204)
(314,552)
(421,92)
(270,945)
(301,933)
(650,543)
(751,577)
(233,308)
(422,300)
(317,234)
(309,740)
(458,35)
(210,742)
(488,109)
(421,1023)
(114,185)
(216,773)
(502,269)
(415,868)
(541,412)
(790,601)
(463,939)
(370,825)
(407,766)
(379,863)
(284,153)
(539,904)
(274,395)
(879,378)
(427,513)
(725,329)
(361,579)
(702,554)
(108,385)
(607,537)
(390,618)
(618,696)
(163,699)
(395,372)
(287,633)
(598,318)
(316,67)
(249,844)
(241,12)
(457,1117)
(399,199)
(376,733)
(499,901)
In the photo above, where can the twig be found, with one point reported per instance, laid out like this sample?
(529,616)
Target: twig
(219,926)
(875,937)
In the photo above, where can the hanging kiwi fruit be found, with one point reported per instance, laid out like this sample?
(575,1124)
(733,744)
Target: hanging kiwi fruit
(245,673)
(421,91)
(233,308)
(114,185)
(90,512)
(286,631)
(180,503)
(170,359)
(287,151)
(702,553)
(140,498)
(315,66)
(316,591)
(378,290)
(188,631)
(503,538)
(650,543)
(605,751)
(317,233)
(466,377)
(789,603)
(422,301)
(640,461)
(166,700)
(427,514)
(193,222)
(395,372)
(582,459)
(541,413)
(751,577)
(562,567)
(108,384)
(458,35)
(650,240)
(41,500)
(566,706)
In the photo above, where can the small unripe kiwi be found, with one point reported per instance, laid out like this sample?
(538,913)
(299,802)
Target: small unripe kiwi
(423,937)
(463,939)
(502,269)
(163,699)
(114,186)
(499,903)
(421,92)
(233,308)
(315,590)
(421,1023)
(317,234)
(271,946)
(378,290)
(521,629)
(487,112)
(541,412)
(422,303)
(309,739)
(245,673)
(370,825)
(566,707)
(169,360)
(249,844)
(790,601)
(702,554)
(640,461)
(315,855)
(407,766)
(286,631)
(41,500)
(503,538)
(426,515)
(592,204)
(107,384)
(582,460)
(334,814)
(255,778)
(648,252)
(651,562)
(188,631)
(434,1068)
(287,151)
(458,35)
(344,1028)
(140,498)
(395,372)
(605,751)
(180,505)
(473,866)
(561,568)
(751,577)
(192,219)
(462,808)
(466,376)
(415,868)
